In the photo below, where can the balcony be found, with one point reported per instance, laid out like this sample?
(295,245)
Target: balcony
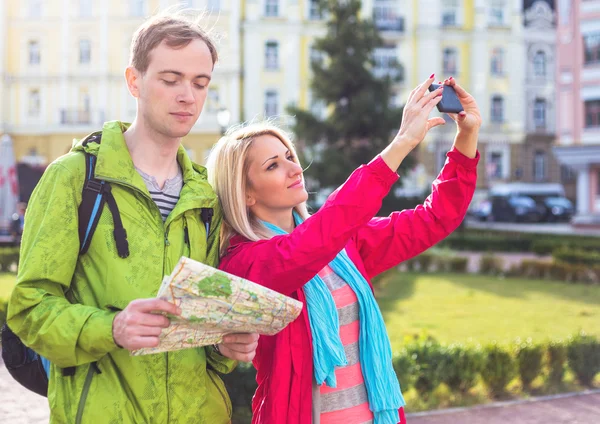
(385,18)
(78,117)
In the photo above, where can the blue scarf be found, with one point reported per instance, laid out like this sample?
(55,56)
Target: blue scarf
(383,390)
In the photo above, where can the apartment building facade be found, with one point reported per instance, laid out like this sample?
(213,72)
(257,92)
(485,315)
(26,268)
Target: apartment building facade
(578,117)
(62,64)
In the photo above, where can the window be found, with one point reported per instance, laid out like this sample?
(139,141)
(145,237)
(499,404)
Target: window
(315,11)
(85,8)
(34,105)
(85,51)
(539,64)
(137,7)
(567,174)
(591,47)
(213,5)
(539,113)
(34,52)
(450,57)
(494,168)
(497,12)
(212,101)
(316,56)
(386,62)
(450,10)
(497,110)
(35,8)
(592,114)
(271,7)
(271,55)
(497,63)
(386,17)
(539,166)
(271,103)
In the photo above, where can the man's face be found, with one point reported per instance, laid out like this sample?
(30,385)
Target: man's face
(171,93)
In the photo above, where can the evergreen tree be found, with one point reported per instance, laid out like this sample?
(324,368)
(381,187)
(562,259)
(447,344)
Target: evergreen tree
(362,119)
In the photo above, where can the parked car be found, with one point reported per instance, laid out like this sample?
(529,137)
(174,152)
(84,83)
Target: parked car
(558,209)
(515,209)
(481,211)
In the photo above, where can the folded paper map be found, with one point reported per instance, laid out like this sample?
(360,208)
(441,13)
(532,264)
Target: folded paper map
(215,303)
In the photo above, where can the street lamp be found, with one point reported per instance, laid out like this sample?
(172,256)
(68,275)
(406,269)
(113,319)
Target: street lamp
(223,117)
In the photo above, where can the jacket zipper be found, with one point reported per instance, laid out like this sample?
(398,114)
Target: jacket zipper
(229,409)
(86,388)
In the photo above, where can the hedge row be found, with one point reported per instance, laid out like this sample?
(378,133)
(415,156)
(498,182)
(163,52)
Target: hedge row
(497,241)
(8,257)
(424,364)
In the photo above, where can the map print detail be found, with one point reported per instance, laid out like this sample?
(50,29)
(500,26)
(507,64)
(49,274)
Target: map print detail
(215,303)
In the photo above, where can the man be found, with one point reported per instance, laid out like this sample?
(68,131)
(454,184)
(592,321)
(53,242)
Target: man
(17,224)
(89,311)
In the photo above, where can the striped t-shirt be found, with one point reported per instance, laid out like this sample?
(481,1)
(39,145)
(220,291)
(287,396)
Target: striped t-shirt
(167,197)
(348,402)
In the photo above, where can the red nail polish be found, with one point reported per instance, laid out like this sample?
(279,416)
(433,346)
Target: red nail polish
(431,76)
(439,82)
(451,78)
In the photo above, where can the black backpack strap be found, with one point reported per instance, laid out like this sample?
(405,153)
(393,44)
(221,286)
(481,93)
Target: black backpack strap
(94,195)
(119,231)
(92,202)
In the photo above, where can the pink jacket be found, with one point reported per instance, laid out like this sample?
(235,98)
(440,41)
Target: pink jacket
(285,263)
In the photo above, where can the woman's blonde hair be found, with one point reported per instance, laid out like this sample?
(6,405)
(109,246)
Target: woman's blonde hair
(228,166)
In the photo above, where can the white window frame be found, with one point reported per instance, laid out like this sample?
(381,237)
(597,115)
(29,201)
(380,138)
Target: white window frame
(85,56)
(271,103)
(386,60)
(497,61)
(35,8)
(272,8)
(313,13)
(34,56)
(540,69)
(540,165)
(86,8)
(451,8)
(493,118)
(445,62)
(504,153)
(137,8)
(271,55)
(540,113)
(497,13)
(34,103)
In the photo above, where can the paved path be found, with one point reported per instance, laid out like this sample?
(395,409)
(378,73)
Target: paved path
(561,409)
(18,405)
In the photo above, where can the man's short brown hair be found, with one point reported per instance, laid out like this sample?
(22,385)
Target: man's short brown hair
(176,29)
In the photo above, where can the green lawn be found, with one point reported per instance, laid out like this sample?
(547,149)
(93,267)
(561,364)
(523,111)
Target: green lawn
(7,282)
(475,308)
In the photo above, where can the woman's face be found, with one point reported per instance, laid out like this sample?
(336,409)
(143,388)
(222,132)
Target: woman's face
(275,181)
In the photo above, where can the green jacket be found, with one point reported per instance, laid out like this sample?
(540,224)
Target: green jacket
(64,304)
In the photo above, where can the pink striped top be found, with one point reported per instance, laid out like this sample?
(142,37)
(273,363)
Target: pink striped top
(348,402)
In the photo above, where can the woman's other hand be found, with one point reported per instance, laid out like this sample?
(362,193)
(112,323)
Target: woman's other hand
(415,117)
(470,119)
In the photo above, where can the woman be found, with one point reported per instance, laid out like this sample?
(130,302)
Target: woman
(333,363)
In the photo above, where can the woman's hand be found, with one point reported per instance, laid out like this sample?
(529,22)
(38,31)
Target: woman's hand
(415,123)
(470,119)
(415,117)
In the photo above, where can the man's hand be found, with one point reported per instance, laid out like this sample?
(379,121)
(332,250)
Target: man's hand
(241,346)
(140,323)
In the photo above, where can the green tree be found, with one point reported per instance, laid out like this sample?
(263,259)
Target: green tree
(361,118)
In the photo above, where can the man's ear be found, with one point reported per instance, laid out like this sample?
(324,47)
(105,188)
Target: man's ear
(134,79)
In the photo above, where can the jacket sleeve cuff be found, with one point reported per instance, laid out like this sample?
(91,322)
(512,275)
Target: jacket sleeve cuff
(462,160)
(97,335)
(384,172)
(219,362)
